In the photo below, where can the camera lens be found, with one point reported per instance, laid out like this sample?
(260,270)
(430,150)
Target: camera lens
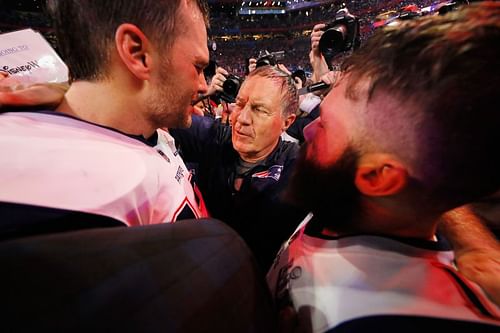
(332,41)
(230,88)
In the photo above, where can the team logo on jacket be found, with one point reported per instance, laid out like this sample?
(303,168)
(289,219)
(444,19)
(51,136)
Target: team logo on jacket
(273,172)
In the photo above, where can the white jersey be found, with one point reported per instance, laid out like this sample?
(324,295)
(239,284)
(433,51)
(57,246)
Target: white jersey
(336,280)
(52,160)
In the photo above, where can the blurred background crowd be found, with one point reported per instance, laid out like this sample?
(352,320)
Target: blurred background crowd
(241,29)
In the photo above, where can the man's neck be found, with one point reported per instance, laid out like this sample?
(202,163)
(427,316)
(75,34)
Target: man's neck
(379,220)
(103,104)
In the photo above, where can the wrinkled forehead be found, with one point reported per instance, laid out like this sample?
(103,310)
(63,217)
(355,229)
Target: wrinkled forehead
(269,86)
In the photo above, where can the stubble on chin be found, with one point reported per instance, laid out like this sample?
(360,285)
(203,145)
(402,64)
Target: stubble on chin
(330,193)
(169,111)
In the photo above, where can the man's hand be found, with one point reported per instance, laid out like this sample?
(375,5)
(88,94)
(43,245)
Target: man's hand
(318,62)
(217,81)
(316,34)
(49,94)
(284,69)
(329,78)
(252,65)
(482,267)
(477,251)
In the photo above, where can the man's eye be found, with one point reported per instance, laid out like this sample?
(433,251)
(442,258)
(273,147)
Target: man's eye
(199,68)
(261,111)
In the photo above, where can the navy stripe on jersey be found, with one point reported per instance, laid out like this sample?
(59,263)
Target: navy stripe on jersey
(185,211)
(314,229)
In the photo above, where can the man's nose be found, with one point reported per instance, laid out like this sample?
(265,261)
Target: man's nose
(202,84)
(245,117)
(310,130)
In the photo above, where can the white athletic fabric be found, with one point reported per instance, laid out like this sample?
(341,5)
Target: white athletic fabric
(58,161)
(331,281)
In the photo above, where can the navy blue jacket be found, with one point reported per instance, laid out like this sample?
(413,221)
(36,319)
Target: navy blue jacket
(257,211)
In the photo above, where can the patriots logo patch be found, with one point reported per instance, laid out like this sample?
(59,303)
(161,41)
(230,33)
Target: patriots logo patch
(273,172)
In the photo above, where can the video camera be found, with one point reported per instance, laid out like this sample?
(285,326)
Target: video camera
(340,35)
(269,58)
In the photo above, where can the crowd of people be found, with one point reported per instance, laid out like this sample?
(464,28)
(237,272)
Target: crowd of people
(368,222)
(235,34)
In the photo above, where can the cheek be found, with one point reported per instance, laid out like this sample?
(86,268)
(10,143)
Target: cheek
(325,147)
(269,128)
(310,130)
(233,116)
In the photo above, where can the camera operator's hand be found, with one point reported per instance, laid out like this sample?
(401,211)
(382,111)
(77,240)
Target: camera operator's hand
(318,62)
(252,64)
(316,34)
(48,94)
(329,78)
(217,81)
(284,69)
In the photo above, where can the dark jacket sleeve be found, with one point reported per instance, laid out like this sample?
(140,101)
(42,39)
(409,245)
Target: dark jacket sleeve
(297,128)
(193,141)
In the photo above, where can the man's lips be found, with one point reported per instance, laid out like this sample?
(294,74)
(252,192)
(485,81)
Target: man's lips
(243,134)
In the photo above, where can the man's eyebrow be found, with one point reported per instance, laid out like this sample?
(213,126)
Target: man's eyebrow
(259,104)
(241,99)
(201,62)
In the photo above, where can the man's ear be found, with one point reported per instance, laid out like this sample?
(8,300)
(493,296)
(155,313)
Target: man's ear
(134,50)
(380,175)
(288,121)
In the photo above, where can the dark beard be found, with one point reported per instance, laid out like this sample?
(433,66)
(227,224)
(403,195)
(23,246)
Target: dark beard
(329,193)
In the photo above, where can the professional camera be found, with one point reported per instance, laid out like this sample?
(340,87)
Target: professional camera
(269,58)
(340,35)
(230,88)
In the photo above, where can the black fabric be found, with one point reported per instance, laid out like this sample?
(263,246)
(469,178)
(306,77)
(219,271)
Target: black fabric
(315,227)
(22,220)
(296,130)
(410,324)
(257,211)
(191,276)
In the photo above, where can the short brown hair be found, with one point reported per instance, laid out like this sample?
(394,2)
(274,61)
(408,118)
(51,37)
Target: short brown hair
(448,67)
(86,29)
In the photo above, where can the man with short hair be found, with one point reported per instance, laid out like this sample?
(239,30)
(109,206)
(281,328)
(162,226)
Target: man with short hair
(135,67)
(243,170)
(409,132)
